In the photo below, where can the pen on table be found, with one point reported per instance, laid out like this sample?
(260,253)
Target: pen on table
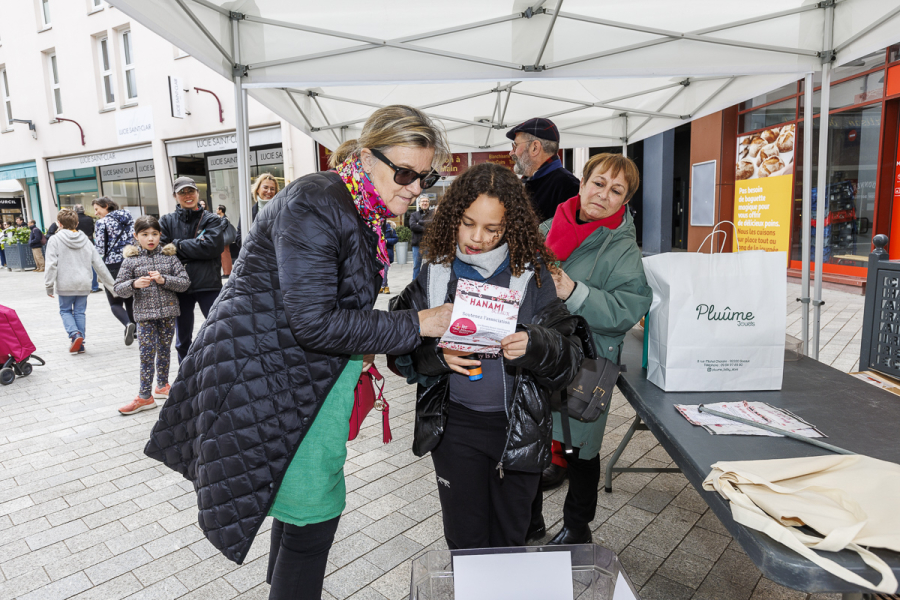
(783,432)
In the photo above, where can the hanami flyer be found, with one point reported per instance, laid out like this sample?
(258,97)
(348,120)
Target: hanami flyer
(483,314)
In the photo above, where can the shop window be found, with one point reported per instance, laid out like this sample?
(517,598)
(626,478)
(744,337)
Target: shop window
(106,75)
(132,186)
(128,72)
(54,85)
(854,67)
(895,53)
(77,186)
(787,90)
(768,116)
(852,173)
(856,91)
(5,122)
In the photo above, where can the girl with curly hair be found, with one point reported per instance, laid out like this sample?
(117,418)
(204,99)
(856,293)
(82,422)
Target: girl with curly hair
(489,439)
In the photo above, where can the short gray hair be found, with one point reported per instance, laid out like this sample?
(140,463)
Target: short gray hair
(548,146)
(79,208)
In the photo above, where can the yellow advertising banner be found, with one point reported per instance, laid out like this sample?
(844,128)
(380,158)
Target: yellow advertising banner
(762,213)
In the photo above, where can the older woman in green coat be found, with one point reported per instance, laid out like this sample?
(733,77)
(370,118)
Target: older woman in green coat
(602,279)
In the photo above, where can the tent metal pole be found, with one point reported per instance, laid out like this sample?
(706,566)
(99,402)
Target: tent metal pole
(863,32)
(241,129)
(713,95)
(664,104)
(205,31)
(822,195)
(537,61)
(807,203)
(625,135)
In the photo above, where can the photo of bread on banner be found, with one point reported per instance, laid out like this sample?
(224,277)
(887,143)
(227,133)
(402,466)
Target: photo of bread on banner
(767,153)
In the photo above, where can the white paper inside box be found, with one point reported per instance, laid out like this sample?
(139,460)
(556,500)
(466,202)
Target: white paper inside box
(879,380)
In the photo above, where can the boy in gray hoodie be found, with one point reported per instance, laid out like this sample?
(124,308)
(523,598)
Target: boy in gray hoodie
(70,256)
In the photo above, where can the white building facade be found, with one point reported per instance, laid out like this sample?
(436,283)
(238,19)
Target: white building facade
(96,105)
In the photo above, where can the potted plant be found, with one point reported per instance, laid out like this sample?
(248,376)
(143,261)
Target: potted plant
(15,244)
(401,248)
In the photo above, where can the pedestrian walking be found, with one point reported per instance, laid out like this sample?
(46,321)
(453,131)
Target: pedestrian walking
(418,222)
(3,227)
(390,239)
(199,238)
(535,144)
(270,382)
(261,192)
(602,279)
(152,275)
(112,233)
(86,226)
(70,257)
(229,237)
(489,439)
(36,243)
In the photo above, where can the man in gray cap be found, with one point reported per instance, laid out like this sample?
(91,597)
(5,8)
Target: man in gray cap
(534,151)
(199,237)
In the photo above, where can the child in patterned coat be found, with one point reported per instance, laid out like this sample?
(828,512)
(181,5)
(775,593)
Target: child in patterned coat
(152,275)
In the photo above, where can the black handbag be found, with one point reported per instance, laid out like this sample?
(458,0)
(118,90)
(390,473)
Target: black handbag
(587,398)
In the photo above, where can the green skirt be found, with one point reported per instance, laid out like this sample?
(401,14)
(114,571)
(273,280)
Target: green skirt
(313,488)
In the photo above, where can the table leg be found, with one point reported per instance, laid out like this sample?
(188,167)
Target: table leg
(611,465)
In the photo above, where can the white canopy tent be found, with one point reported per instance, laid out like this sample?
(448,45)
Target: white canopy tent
(607,73)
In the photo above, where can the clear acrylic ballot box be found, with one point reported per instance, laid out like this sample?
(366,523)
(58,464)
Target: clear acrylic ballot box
(596,573)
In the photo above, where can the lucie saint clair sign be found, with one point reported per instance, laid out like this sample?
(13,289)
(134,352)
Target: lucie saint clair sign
(134,125)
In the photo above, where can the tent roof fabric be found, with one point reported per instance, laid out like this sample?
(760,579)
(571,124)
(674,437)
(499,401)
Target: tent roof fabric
(605,73)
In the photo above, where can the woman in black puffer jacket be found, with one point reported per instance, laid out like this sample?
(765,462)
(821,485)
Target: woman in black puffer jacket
(258,417)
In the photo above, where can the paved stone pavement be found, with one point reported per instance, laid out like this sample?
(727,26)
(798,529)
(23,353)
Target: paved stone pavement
(84,514)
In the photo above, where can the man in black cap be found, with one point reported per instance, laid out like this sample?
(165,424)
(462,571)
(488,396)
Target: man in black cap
(199,237)
(534,151)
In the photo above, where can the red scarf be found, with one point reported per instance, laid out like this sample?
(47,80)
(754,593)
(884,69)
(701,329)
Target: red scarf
(566,233)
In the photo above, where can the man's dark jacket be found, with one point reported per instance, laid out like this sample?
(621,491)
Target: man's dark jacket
(36,238)
(418,221)
(557,343)
(550,190)
(297,305)
(86,226)
(201,255)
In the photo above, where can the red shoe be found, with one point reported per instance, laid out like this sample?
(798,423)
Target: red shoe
(162,392)
(137,405)
(77,341)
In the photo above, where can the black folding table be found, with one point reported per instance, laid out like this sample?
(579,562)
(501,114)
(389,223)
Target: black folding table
(853,414)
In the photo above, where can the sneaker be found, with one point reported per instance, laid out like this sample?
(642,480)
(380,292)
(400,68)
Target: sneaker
(77,343)
(95,291)
(162,392)
(385,290)
(137,405)
(129,333)
(82,349)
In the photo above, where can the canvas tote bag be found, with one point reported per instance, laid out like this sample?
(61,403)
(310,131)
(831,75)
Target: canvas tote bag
(717,321)
(851,500)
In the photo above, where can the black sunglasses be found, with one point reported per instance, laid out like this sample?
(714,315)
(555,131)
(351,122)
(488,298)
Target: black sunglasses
(404,176)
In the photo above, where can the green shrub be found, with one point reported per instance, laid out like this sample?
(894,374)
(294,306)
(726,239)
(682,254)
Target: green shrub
(15,235)
(404,233)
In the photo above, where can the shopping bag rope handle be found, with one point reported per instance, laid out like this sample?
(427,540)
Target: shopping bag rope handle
(723,232)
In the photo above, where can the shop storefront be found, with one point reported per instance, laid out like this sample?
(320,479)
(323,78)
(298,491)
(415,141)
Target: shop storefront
(212,162)
(26,174)
(127,177)
(11,208)
(863,178)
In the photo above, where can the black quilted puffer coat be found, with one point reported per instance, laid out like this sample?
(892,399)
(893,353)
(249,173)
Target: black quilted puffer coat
(297,305)
(557,343)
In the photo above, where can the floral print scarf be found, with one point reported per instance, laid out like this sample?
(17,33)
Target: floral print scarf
(368,202)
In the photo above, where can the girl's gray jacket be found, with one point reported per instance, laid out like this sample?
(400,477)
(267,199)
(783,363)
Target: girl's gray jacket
(157,301)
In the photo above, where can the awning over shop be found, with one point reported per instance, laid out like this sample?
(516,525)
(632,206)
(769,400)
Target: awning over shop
(18,171)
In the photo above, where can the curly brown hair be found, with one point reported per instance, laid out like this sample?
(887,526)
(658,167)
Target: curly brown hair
(526,243)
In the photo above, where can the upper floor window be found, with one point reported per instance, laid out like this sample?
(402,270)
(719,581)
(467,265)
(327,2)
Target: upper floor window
(45,13)
(54,85)
(106,74)
(128,72)
(7,102)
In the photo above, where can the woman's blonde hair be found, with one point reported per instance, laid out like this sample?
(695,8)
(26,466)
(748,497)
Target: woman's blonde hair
(396,125)
(255,187)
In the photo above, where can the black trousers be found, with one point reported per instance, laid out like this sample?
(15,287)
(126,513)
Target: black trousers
(184,323)
(480,510)
(581,500)
(297,559)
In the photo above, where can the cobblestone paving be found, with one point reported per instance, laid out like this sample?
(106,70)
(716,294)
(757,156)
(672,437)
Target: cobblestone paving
(85,515)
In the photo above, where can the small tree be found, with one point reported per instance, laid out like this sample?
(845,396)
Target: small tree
(404,234)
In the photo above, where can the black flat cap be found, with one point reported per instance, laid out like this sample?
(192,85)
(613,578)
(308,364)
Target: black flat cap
(544,129)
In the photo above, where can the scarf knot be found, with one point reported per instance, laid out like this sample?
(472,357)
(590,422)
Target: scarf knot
(566,233)
(369,205)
